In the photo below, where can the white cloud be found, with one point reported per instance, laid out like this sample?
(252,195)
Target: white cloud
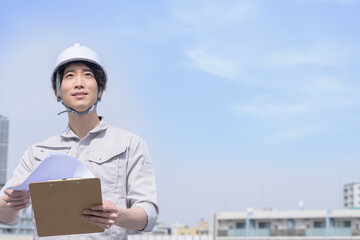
(329,92)
(207,15)
(328,84)
(270,111)
(346,2)
(212,64)
(341,2)
(295,57)
(292,134)
(314,94)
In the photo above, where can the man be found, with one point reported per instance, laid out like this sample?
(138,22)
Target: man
(119,158)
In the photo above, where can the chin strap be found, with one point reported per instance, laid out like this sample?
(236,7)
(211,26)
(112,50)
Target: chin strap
(69,109)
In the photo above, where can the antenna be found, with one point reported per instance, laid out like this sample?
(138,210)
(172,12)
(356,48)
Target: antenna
(301,205)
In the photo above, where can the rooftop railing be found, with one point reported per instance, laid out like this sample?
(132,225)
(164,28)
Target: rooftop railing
(252,232)
(288,232)
(332,232)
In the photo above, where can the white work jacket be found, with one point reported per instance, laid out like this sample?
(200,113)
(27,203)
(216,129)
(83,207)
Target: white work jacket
(119,158)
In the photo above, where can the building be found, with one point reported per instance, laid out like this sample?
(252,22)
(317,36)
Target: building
(24,227)
(4,132)
(177,229)
(351,195)
(340,224)
(175,226)
(160,229)
(201,229)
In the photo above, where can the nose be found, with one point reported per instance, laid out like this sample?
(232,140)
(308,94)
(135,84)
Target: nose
(79,81)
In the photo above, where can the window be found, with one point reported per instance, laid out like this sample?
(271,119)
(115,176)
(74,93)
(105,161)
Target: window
(264,225)
(319,224)
(240,225)
(290,224)
(347,224)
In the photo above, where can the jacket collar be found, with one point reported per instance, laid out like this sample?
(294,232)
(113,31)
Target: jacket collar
(68,133)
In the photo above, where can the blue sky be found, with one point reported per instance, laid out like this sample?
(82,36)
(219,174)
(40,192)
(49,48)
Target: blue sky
(242,103)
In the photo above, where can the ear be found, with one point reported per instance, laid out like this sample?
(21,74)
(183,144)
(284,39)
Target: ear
(55,93)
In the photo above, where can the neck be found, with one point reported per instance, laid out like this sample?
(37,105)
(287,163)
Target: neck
(83,124)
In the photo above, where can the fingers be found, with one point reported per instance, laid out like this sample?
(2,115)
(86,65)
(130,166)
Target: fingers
(15,192)
(110,215)
(107,206)
(103,216)
(104,222)
(104,225)
(19,207)
(13,196)
(17,200)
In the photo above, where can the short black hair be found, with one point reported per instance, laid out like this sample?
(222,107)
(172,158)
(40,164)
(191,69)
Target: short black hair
(98,73)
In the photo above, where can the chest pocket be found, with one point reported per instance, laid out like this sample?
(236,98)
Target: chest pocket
(110,166)
(40,152)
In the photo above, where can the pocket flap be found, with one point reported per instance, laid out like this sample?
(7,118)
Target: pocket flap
(40,152)
(104,155)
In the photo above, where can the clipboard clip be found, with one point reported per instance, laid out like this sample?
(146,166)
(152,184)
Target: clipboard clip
(64,179)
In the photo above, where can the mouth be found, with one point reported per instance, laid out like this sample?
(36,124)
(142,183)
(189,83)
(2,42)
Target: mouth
(79,94)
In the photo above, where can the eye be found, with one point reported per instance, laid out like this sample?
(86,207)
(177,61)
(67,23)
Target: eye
(69,75)
(89,74)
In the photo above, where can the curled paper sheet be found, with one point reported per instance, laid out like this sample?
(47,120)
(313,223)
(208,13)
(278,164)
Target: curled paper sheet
(55,166)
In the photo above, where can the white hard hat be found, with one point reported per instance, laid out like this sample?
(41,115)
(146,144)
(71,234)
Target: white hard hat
(78,53)
(73,54)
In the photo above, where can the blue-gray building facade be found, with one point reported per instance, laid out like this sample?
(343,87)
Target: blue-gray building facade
(4,133)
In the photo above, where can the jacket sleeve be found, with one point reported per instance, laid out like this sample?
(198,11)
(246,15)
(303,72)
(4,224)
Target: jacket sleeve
(21,172)
(141,188)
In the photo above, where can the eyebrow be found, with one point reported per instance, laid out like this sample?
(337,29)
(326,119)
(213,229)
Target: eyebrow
(84,70)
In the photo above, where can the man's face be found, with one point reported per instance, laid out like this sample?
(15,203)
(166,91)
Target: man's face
(79,88)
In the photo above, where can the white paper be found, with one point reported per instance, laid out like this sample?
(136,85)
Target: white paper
(55,166)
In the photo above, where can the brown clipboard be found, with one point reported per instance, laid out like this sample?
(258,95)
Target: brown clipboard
(59,204)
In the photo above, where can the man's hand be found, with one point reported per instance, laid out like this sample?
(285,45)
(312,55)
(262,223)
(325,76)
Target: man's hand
(16,199)
(103,216)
